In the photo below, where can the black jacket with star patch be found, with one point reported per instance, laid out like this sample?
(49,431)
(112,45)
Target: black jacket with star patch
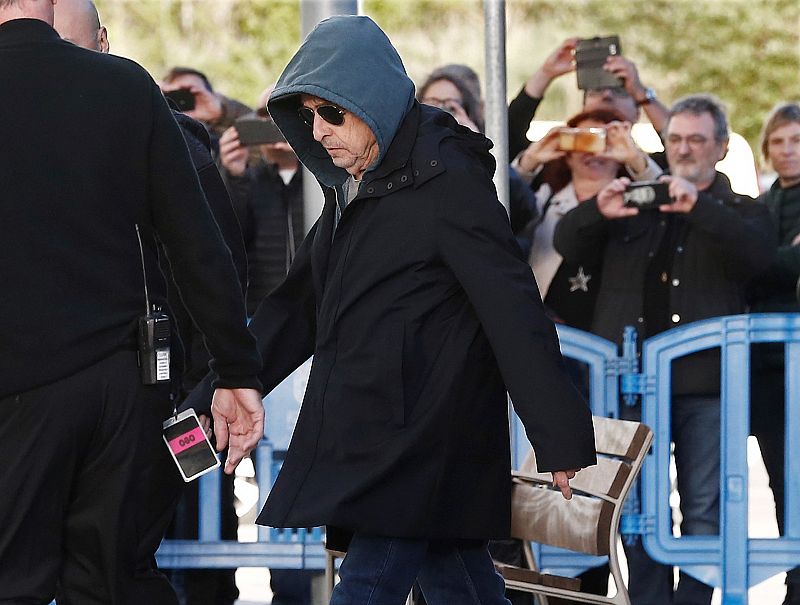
(572,294)
(729,239)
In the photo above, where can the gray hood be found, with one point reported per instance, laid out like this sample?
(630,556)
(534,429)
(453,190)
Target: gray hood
(349,61)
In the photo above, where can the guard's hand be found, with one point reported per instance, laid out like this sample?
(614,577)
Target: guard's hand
(238,423)
(561,481)
(232,154)
(683,193)
(610,202)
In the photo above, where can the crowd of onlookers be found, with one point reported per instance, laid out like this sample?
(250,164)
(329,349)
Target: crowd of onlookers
(614,236)
(601,259)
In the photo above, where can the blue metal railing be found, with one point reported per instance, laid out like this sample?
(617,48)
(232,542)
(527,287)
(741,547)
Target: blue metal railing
(731,561)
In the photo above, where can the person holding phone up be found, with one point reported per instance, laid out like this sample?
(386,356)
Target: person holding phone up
(265,181)
(628,98)
(195,96)
(676,263)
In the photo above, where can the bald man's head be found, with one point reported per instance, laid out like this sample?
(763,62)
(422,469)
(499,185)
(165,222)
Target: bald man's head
(19,9)
(77,21)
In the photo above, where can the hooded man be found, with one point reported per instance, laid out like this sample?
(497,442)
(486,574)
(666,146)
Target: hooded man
(421,312)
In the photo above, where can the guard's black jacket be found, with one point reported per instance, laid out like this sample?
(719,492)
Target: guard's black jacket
(70,270)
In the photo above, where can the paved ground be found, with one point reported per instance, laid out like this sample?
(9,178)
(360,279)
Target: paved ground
(254,582)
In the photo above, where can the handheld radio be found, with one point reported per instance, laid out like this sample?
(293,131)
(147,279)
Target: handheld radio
(153,336)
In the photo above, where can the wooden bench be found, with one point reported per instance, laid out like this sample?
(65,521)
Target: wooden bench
(589,523)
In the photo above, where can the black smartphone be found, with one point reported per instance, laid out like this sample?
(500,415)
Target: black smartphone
(257,131)
(590,56)
(646,195)
(182,97)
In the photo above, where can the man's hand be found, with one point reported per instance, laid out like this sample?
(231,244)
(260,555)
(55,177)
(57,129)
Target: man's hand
(232,154)
(625,69)
(561,481)
(541,151)
(238,423)
(207,105)
(558,63)
(682,192)
(610,202)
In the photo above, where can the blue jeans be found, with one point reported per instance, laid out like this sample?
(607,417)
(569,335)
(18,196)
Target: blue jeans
(695,433)
(381,571)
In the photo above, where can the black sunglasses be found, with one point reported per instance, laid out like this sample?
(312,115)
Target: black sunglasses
(330,113)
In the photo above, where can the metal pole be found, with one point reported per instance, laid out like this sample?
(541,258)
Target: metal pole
(494,12)
(311,13)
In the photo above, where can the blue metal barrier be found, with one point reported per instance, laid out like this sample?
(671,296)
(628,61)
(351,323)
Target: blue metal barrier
(731,561)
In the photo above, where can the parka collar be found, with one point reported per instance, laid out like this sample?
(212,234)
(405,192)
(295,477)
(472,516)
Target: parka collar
(415,157)
(410,159)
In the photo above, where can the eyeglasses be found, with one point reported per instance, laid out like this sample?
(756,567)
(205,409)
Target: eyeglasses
(693,140)
(330,113)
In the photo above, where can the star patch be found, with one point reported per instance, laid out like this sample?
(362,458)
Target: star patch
(579,282)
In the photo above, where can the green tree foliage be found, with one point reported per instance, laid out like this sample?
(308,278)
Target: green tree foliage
(241,45)
(747,52)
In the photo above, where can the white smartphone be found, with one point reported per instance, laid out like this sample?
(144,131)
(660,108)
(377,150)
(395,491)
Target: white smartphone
(188,445)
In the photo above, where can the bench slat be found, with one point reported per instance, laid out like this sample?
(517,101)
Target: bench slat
(582,524)
(518,574)
(607,477)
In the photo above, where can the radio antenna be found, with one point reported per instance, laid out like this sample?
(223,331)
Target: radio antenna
(144,271)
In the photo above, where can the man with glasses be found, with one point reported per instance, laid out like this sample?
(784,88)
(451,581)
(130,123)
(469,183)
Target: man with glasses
(681,262)
(627,99)
(208,106)
(421,313)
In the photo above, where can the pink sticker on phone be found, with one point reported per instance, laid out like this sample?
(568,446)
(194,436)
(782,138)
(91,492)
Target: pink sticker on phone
(187,440)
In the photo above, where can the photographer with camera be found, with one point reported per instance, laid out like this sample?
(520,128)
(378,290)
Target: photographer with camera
(192,91)
(628,98)
(663,267)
